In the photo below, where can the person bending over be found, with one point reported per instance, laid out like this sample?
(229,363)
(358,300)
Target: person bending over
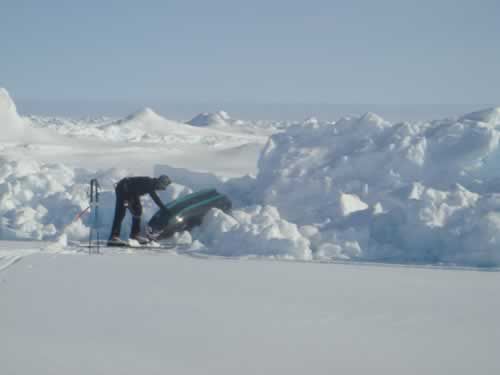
(128,194)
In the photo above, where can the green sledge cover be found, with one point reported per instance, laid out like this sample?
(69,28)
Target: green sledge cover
(186,212)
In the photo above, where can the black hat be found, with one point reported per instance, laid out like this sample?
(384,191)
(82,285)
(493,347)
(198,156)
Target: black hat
(163,182)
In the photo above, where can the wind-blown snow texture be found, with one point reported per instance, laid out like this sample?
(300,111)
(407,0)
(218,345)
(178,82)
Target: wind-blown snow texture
(360,188)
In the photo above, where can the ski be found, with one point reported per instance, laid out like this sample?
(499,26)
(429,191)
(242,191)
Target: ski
(148,246)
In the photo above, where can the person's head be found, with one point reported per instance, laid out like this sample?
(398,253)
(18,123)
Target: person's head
(162,182)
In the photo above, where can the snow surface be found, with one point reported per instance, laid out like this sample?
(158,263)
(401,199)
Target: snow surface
(145,313)
(289,282)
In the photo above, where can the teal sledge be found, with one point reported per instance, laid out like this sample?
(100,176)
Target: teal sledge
(186,212)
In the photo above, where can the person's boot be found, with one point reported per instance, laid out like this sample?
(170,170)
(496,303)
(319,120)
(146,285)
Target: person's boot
(141,239)
(116,241)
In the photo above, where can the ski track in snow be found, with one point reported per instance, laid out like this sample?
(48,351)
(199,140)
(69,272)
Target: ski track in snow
(12,252)
(7,261)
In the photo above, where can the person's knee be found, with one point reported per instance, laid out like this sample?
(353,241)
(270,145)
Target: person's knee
(135,210)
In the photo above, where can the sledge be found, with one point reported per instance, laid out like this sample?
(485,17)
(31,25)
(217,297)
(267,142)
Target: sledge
(185,213)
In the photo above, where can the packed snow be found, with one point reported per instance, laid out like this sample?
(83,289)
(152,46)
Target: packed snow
(131,314)
(359,188)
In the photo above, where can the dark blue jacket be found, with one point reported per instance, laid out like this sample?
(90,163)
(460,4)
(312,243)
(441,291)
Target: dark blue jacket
(138,186)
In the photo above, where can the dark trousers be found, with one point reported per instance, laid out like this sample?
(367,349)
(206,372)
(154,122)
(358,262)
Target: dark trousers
(133,202)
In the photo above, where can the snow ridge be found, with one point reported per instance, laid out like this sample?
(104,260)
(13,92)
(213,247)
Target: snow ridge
(426,192)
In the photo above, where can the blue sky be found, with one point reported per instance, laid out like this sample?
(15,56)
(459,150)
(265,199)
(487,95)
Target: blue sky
(265,52)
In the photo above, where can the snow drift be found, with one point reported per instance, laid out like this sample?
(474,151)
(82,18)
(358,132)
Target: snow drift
(13,127)
(425,192)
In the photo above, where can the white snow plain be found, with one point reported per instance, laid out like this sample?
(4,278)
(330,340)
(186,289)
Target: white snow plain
(125,313)
(347,194)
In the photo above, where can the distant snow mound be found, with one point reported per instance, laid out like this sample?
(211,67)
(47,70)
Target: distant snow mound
(146,115)
(218,119)
(146,119)
(141,125)
(406,192)
(221,121)
(490,115)
(147,126)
